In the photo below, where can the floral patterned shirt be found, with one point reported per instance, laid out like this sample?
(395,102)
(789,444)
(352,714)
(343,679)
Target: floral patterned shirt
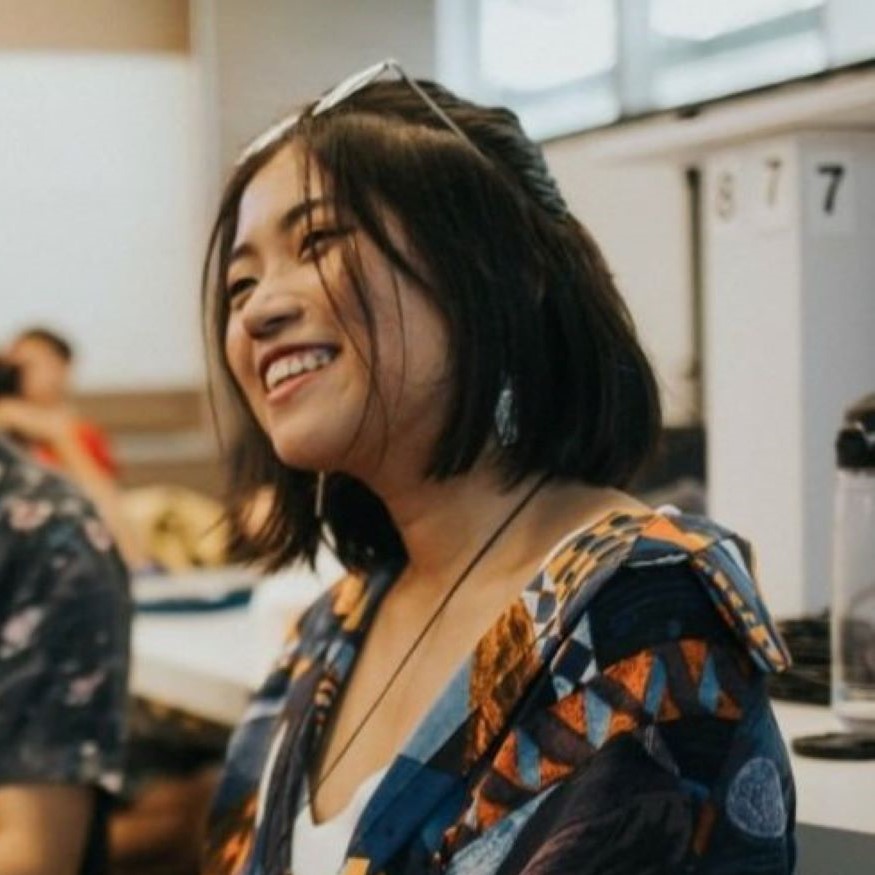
(64,636)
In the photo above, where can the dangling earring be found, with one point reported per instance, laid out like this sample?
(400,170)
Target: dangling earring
(319,496)
(506,425)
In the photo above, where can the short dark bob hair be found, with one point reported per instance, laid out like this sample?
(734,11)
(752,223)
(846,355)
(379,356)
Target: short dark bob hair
(527,297)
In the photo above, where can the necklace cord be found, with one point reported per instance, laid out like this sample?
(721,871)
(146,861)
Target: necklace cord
(472,564)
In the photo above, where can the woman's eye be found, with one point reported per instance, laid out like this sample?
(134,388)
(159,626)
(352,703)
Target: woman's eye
(314,242)
(236,289)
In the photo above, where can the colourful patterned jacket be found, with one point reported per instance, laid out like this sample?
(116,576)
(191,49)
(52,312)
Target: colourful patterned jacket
(614,720)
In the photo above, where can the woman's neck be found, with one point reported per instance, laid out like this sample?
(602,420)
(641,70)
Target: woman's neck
(445,523)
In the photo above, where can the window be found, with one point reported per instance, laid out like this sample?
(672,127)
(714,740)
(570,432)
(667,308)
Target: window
(552,61)
(567,65)
(704,50)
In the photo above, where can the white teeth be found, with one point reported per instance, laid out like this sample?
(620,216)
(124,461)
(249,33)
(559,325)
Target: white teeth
(294,364)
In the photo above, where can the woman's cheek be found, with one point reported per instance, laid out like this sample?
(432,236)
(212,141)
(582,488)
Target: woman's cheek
(239,361)
(234,348)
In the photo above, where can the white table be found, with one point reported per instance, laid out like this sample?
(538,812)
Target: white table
(208,664)
(831,794)
(205,664)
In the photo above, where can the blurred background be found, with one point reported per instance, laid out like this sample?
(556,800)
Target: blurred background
(723,154)
(119,121)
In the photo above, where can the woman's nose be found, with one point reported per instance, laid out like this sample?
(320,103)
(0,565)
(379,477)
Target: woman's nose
(266,314)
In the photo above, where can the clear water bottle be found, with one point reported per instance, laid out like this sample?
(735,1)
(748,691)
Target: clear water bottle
(853,571)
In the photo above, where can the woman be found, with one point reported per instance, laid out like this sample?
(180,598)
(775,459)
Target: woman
(526,669)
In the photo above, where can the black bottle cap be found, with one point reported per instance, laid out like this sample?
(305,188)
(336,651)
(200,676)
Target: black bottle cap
(855,444)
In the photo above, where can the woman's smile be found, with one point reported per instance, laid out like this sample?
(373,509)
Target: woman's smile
(283,365)
(290,385)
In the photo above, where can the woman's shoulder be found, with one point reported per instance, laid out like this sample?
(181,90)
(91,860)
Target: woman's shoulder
(639,536)
(647,531)
(346,604)
(663,570)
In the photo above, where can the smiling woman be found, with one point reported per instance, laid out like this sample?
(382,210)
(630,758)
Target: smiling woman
(433,371)
(296,342)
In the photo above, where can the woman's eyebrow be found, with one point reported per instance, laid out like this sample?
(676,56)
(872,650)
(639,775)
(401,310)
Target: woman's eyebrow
(294,215)
(286,223)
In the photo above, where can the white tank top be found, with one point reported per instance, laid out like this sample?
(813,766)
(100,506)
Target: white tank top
(320,848)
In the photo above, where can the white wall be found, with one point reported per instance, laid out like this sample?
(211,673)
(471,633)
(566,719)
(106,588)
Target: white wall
(101,210)
(639,215)
(273,55)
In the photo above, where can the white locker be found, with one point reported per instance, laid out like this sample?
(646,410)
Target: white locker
(789,321)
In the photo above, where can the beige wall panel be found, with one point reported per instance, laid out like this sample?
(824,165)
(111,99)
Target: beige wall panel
(94,25)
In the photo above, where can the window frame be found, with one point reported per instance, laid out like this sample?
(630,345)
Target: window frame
(640,59)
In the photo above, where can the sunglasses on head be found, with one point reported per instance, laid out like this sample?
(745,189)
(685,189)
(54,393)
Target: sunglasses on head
(343,90)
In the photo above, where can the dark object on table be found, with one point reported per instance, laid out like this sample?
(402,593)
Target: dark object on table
(236,598)
(808,679)
(197,590)
(680,454)
(836,746)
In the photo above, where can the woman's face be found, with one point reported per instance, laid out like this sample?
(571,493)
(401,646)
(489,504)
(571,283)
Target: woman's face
(303,364)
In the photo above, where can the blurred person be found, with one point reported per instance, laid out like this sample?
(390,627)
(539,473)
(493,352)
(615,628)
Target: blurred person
(525,668)
(41,416)
(45,360)
(64,634)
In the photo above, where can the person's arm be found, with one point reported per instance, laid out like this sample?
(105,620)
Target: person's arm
(56,428)
(78,463)
(43,828)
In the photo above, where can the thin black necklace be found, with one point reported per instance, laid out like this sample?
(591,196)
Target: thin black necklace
(475,560)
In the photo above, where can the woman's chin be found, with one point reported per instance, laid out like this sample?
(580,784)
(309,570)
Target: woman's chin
(309,446)
(291,451)
(297,460)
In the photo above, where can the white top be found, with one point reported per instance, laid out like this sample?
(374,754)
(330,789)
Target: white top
(320,848)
